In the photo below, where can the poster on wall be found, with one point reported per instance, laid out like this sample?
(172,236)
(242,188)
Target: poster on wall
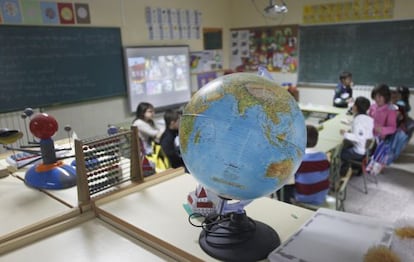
(10,11)
(273,47)
(49,13)
(66,14)
(83,15)
(348,11)
(239,47)
(206,61)
(204,78)
(43,12)
(31,12)
(172,24)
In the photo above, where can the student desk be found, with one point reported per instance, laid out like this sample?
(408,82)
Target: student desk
(331,128)
(93,240)
(152,213)
(329,135)
(155,212)
(321,108)
(22,206)
(158,211)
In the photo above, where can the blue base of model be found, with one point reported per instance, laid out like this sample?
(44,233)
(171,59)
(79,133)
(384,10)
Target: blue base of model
(59,177)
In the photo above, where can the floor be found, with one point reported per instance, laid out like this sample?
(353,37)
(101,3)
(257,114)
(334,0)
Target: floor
(392,197)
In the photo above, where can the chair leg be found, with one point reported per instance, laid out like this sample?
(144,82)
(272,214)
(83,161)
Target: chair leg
(376,179)
(365,182)
(282,194)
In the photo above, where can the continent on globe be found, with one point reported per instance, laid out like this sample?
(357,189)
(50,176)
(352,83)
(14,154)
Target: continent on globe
(242,136)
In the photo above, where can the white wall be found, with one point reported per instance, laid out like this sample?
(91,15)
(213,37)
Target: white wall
(90,119)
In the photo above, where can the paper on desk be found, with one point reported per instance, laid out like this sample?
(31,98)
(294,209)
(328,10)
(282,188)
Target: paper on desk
(346,121)
(333,236)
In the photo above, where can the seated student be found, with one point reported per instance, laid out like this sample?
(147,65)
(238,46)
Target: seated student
(168,138)
(343,91)
(402,101)
(383,112)
(311,184)
(399,105)
(312,177)
(147,130)
(405,124)
(361,130)
(404,98)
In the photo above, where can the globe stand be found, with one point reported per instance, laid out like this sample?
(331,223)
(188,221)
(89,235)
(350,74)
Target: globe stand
(51,174)
(56,176)
(236,237)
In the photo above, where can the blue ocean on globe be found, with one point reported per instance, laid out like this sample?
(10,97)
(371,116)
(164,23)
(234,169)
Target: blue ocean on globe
(242,136)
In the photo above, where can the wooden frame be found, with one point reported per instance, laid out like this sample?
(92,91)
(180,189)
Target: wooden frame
(135,231)
(136,175)
(42,229)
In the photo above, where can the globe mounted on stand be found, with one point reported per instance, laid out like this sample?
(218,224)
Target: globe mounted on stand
(242,137)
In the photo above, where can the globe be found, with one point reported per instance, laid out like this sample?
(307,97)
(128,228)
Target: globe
(242,136)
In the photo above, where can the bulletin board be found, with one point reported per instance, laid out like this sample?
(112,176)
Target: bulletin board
(273,46)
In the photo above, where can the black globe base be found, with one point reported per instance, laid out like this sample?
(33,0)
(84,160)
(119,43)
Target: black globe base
(239,238)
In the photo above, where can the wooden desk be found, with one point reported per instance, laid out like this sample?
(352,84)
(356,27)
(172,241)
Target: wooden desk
(67,196)
(329,135)
(153,214)
(321,108)
(157,213)
(23,207)
(93,240)
(331,128)
(26,209)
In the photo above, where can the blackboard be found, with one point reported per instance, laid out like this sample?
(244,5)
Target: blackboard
(44,65)
(378,52)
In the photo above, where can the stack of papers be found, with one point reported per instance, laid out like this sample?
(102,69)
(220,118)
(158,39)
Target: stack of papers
(331,235)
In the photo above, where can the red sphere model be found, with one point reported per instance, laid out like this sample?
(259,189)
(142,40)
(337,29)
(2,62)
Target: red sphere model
(43,126)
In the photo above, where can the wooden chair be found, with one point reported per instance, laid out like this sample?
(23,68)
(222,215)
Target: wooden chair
(361,164)
(338,185)
(159,158)
(335,199)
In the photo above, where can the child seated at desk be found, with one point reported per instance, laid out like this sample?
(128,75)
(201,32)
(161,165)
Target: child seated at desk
(148,131)
(169,137)
(343,91)
(311,183)
(402,101)
(361,130)
(383,112)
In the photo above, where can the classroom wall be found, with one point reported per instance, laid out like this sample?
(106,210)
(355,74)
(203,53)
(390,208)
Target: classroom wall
(246,15)
(90,119)
(403,9)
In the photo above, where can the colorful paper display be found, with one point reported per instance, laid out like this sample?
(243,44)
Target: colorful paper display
(10,11)
(43,12)
(348,11)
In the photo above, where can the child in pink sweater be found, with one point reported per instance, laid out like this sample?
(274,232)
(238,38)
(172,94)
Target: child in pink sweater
(383,112)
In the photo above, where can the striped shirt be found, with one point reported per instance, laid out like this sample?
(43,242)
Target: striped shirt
(312,178)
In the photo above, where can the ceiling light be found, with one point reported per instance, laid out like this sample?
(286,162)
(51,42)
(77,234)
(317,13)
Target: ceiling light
(274,9)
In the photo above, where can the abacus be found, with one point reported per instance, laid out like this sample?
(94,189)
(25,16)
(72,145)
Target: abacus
(104,163)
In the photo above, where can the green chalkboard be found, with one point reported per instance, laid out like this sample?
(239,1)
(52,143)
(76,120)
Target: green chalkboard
(378,52)
(43,65)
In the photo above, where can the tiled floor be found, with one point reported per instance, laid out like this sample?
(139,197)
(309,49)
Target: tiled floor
(393,197)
